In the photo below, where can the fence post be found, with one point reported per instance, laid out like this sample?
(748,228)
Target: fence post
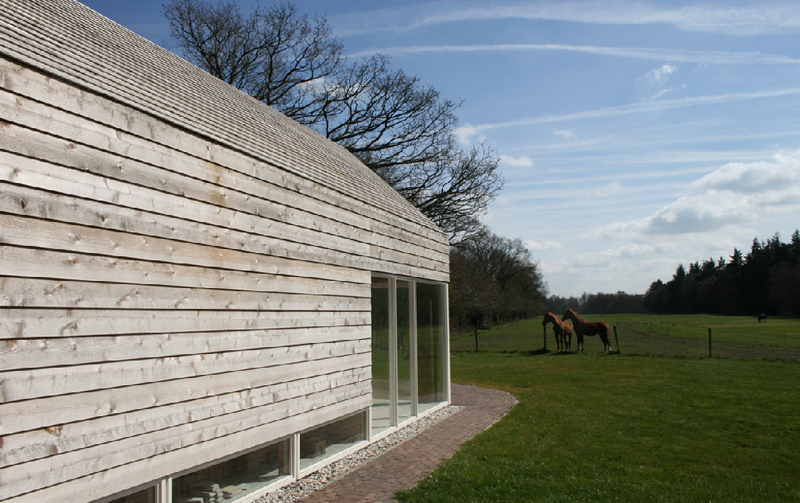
(709,343)
(616,338)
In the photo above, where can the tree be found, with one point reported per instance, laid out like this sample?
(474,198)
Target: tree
(495,277)
(764,281)
(473,294)
(401,129)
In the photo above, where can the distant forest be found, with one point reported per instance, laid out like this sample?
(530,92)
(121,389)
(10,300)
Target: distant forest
(598,303)
(766,280)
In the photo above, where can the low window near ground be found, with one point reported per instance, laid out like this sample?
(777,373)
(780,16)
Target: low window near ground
(330,439)
(235,478)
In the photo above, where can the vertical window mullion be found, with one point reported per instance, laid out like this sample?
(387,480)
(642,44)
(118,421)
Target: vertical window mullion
(294,456)
(164,490)
(393,350)
(446,341)
(414,367)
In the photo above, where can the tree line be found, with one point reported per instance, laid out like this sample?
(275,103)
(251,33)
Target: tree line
(493,279)
(765,280)
(598,303)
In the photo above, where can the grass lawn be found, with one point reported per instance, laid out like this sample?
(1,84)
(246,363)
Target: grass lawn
(685,335)
(602,428)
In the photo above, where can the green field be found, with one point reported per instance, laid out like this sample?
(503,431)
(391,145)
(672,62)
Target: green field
(684,335)
(593,427)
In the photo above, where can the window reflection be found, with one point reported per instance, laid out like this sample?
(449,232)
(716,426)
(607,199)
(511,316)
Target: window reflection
(331,439)
(234,478)
(381,391)
(404,383)
(430,344)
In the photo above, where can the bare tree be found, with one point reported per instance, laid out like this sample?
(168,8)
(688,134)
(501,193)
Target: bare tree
(274,55)
(502,280)
(398,127)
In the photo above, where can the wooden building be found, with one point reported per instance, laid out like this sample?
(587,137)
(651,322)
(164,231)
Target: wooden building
(200,299)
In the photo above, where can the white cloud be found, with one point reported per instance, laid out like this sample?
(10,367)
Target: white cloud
(468,134)
(605,191)
(612,188)
(635,108)
(658,78)
(546,246)
(517,162)
(566,133)
(706,212)
(747,20)
(735,194)
(676,55)
(780,174)
(667,91)
(661,75)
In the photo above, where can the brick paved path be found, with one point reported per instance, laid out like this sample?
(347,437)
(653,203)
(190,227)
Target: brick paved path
(408,463)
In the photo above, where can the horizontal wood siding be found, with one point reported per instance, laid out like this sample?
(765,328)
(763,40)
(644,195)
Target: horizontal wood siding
(166,297)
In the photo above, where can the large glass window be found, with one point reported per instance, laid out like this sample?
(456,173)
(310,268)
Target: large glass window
(381,381)
(431,344)
(331,439)
(405,394)
(409,349)
(234,478)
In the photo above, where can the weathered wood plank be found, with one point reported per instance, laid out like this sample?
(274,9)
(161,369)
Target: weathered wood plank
(23,231)
(19,354)
(18,385)
(347,168)
(20,479)
(26,83)
(234,230)
(38,263)
(16,417)
(40,293)
(40,443)
(25,201)
(22,323)
(233,207)
(114,480)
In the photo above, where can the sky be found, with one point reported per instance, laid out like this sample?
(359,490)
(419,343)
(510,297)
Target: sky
(633,136)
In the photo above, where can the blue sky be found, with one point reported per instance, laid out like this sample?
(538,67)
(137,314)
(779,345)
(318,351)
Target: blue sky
(634,136)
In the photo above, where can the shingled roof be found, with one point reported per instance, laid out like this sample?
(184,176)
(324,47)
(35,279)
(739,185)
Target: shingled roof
(76,44)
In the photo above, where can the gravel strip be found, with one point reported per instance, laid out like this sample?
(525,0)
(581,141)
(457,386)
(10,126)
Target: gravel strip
(315,481)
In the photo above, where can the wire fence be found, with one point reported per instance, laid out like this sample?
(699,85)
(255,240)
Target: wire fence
(657,339)
(645,338)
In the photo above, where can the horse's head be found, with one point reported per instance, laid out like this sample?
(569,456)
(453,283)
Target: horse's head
(569,315)
(548,316)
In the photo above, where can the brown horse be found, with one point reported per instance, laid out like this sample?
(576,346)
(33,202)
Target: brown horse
(583,327)
(562,330)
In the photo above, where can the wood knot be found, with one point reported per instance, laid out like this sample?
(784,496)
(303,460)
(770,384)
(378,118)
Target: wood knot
(54,430)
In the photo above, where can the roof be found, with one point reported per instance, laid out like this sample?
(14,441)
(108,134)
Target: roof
(72,42)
